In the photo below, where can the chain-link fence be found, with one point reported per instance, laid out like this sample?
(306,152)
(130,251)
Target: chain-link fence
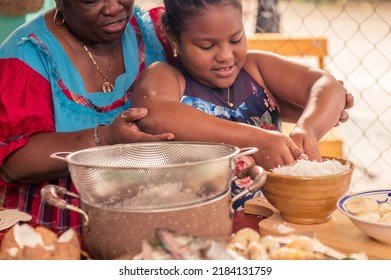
(359,39)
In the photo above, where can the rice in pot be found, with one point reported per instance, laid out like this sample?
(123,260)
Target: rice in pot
(312,168)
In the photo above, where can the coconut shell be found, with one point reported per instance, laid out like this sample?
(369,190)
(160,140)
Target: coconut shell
(37,253)
(8,241)
(69,250)
(48,236)
(66,248)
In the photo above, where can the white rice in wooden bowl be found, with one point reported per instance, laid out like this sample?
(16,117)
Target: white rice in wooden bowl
(312,168)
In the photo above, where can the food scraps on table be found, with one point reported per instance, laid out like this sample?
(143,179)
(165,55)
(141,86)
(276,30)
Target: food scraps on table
(246,244)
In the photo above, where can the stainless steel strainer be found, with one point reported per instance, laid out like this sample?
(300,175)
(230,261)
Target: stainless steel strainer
(154,175)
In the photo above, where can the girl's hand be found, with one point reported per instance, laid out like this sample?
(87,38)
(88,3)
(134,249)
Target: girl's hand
(349,104)
(306,142)
(276,149)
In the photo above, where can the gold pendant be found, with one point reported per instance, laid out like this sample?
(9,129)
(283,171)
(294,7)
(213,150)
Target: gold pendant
(107,87)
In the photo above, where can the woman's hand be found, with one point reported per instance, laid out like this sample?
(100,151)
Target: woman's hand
(125,130)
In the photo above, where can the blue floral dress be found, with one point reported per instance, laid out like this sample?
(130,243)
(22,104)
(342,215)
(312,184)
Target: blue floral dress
(251,105)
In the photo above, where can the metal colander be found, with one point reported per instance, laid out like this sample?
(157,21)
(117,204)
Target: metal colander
(156,175)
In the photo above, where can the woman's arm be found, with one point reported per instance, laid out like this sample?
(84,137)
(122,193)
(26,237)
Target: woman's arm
(31,163)
(159,89)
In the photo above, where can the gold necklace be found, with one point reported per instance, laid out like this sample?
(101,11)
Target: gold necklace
(106,86)
(229,103)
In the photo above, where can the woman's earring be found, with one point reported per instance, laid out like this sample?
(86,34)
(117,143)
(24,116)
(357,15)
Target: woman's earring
(175,53)
(55,18)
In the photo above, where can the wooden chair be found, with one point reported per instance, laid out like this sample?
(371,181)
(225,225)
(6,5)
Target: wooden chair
(289,45)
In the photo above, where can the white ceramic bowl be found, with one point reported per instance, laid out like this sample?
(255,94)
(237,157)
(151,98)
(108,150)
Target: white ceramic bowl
(377,230)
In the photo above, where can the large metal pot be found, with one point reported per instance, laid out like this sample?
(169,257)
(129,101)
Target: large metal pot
(111,230)
(179,172)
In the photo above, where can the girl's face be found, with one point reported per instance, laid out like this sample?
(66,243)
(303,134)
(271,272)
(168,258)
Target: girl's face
(97,21)
(213,46)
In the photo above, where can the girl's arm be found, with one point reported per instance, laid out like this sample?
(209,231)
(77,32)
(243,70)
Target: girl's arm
(159,89)
(321,97)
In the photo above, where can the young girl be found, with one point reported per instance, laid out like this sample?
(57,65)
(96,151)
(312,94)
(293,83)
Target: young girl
(249,92)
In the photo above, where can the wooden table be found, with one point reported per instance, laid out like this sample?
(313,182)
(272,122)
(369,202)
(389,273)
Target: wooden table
(339,233)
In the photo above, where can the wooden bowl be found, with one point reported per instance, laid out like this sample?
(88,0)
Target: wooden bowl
(310,199)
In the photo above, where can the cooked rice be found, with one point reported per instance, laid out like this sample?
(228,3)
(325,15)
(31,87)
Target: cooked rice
(312,168)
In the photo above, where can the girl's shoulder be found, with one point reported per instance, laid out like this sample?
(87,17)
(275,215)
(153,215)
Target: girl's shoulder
(161,76)
(162,70)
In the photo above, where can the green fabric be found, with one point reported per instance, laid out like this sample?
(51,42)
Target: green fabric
(9,23)
(46,6)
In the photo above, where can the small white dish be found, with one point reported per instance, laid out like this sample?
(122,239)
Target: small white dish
(379,231)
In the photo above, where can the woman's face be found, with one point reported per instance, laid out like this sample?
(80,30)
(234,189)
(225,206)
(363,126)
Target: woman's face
(96,21)
(213,46)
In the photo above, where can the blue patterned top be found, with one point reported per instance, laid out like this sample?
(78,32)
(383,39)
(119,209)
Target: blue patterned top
(252,105)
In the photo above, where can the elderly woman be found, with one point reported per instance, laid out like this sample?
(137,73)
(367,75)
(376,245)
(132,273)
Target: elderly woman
(65,85)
